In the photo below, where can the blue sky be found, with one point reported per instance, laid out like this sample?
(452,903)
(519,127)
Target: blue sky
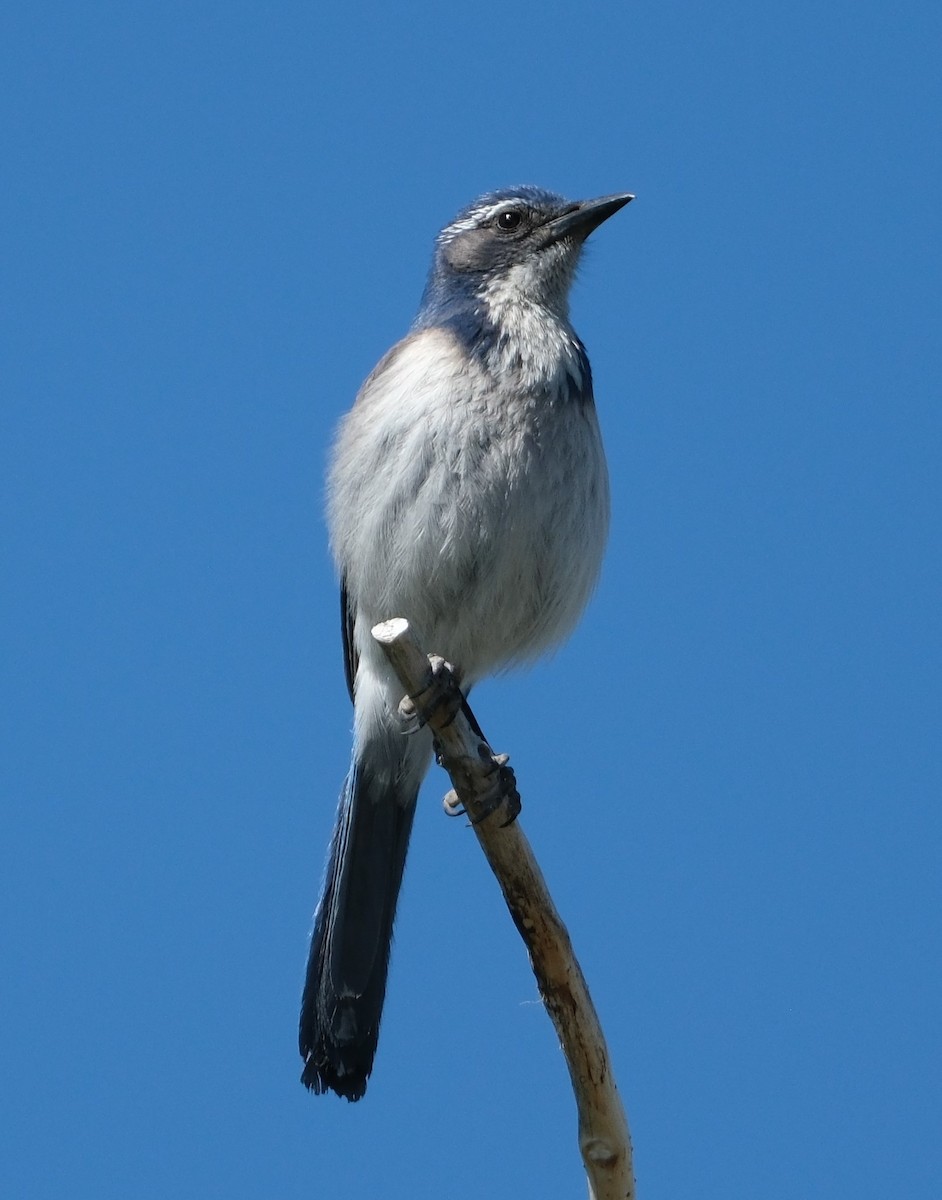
(215,218)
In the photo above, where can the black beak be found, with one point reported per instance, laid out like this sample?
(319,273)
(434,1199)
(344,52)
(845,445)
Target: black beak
(583,217)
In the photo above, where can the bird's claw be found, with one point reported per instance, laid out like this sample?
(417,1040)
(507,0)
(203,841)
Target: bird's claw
(441,700)
(501,794)
(410,720)
(452,805)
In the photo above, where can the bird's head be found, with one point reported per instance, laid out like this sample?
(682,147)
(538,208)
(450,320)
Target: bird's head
(517,245)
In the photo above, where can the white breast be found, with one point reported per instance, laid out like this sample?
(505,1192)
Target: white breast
(479,515)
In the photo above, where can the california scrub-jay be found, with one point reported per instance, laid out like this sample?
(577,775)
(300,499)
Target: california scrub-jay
(468,493)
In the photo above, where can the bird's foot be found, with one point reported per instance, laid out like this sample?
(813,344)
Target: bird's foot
(499,795)
(502,795)
(439,702)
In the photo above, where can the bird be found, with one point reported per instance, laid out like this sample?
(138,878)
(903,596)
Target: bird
(468,492)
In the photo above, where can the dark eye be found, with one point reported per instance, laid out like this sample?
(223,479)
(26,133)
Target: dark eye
(510,219)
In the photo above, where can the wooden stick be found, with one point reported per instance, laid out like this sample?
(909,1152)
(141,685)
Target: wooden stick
(485,786)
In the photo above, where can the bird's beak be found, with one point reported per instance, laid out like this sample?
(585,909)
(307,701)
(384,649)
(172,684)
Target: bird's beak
(583,217)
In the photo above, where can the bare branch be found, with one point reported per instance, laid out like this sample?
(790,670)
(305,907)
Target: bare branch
(485,786)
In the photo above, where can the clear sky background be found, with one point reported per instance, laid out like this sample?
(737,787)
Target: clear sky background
(215,218)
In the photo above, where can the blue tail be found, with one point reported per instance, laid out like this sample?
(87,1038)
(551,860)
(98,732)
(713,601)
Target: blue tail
(349,956)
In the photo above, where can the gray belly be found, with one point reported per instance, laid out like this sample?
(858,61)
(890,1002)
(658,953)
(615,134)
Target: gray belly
(497,550)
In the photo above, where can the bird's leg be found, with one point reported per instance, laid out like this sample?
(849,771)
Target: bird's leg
(438,704)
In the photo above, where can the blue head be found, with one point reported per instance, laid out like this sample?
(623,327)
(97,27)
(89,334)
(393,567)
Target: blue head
(517,246)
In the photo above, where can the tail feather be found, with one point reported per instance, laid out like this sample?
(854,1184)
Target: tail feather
(349,956)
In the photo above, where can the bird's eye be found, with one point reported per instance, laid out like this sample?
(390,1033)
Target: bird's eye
(510,219)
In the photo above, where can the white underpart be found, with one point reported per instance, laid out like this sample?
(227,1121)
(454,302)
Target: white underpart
(478,513)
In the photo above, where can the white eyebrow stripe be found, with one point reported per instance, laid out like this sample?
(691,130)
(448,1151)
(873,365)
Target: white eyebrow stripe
(477,216)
